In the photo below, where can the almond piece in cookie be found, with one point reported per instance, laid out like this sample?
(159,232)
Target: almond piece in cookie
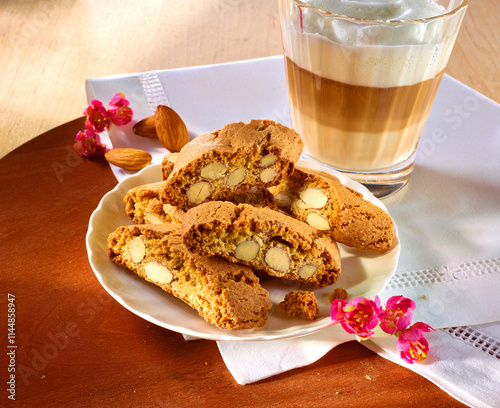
(226,295)
(322,201)
(264,239)
(143,206)
(231,161)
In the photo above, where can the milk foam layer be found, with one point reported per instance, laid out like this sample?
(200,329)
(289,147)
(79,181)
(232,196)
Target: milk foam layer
(370,54)
(380,9)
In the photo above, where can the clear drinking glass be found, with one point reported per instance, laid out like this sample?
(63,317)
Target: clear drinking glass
(360,90)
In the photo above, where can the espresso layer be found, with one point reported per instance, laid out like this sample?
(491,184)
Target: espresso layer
(359,108)
(358,128)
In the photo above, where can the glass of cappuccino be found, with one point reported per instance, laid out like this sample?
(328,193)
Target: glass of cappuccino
(362,76)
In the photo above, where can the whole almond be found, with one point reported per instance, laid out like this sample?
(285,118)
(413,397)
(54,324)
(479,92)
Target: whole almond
(128,159)
(146,127)
(170,128)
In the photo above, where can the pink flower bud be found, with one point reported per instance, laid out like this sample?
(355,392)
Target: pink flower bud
(88,143)
(397,314)
(412,344)
(118,110)
(97,116)
(359,316)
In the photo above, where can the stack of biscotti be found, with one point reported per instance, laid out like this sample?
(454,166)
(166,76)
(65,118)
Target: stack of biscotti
(226,295)
(214,168)
(236,197)
(239,164)
(236,163)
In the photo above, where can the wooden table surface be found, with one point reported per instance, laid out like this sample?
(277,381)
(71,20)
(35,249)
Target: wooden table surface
(76,346)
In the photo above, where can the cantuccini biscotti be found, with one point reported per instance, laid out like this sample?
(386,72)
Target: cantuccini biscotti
(225,294)
(230,161)
(258,197)
(167,164)
(263,239)
(143,206)
(322,201)
(300,303)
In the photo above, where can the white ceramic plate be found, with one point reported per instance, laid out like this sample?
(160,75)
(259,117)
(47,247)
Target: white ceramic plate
(363,274)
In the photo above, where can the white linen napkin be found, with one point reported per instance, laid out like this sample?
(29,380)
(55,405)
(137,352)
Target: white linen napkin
(448,218)
(464,362)
(205,97)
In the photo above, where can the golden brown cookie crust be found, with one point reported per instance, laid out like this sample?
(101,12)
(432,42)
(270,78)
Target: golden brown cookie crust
(224,294)
(301,304)
(232,160)
(263,239)
(143,206)
(338,293)
(344,213)
(167,164)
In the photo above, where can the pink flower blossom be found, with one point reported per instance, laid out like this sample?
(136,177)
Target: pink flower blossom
(97,116)
(412,344)
(88,143)
(359,316)
(397,314)
(118,110)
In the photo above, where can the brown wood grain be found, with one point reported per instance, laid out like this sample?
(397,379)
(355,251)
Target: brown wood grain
(77,347)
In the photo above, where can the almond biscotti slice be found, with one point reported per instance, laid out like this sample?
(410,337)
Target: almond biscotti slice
(143,206)
(321,200)
(258,197)
(224,294)
(167,164)
(263,239)
(230,161)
